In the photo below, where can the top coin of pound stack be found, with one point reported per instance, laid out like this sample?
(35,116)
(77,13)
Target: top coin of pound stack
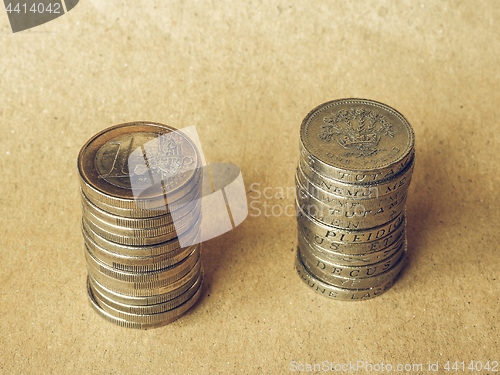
(140,184)
(355,167)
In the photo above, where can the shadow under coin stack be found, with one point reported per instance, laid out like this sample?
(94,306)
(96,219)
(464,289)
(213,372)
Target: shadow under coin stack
(140,184)
(352,180)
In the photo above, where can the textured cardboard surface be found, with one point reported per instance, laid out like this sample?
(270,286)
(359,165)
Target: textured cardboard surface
(246,73)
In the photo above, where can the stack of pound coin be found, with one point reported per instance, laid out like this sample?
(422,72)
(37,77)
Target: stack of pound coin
(355,167)
(140,189)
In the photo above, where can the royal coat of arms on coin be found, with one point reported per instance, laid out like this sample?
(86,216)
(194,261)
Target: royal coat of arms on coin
(357,130)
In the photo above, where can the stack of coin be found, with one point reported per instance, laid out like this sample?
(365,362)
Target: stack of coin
(140,188)
(355,167)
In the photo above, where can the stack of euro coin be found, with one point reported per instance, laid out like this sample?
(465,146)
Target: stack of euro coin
(355,167)
(140,187)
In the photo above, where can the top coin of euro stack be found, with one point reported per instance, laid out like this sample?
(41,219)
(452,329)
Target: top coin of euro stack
(355,167)
(140,188)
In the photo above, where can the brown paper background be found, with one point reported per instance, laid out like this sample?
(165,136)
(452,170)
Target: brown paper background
(246,74)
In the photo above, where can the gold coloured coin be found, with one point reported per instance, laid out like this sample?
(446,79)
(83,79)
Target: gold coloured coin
(350,259)
(354,283)
(338,293)
(140,321)
(191,236)
(141,290)
(128,222)
(400,181)
(356,140)
(184,284)
(145,309)
(158,277)
(138,165)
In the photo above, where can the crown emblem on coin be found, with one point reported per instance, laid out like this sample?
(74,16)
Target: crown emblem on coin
(357,130)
